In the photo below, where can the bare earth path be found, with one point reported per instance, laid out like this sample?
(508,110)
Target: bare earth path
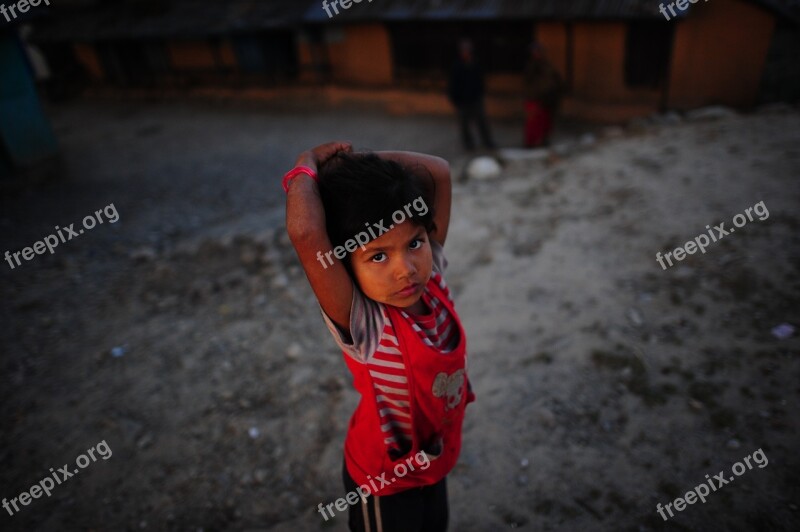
(605,384)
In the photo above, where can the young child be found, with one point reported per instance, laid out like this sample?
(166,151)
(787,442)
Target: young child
(369,232)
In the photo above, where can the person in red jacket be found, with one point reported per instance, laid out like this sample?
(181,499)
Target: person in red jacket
(543,91)
(369,229)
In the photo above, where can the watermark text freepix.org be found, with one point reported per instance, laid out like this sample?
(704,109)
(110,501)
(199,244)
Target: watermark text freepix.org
(401,469)
(50,242)
(701,491)
(362,238)
(48,483)
(701,242)
(683,5)
(22,6)
(345,4)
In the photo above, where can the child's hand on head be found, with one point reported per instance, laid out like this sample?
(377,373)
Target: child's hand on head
(323,153)
(357,193)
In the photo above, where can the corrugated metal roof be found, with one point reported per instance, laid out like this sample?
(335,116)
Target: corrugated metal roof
(485,9)
(789,9)
(197,18)
(173,18)
(511,9)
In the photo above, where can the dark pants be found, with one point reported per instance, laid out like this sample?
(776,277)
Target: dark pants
(469,113)
(414,510)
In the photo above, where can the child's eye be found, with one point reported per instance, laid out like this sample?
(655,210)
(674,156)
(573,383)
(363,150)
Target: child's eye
(416,243)
(378,257)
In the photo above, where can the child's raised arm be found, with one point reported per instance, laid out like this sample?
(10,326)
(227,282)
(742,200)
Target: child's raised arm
(440,170)
(305,223)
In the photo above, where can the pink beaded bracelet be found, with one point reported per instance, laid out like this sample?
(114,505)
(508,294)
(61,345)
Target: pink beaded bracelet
(291,174)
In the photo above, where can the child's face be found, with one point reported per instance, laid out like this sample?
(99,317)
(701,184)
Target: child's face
(394,268)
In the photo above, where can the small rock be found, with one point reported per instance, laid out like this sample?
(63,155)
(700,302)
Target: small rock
(638,124)
(645,297)
(587,140)
(635,317)
(300,377)
(520,154)
(733,444)
(775,108)
(714,112)
(482,168)
(613,132)
(253,432)
(562,149)
(672,118)
(684,272)
(260,476)
(667,119)
(546,417)
(695,404)
(167,302)
(522,480)
(783,331)
(280,281)
(143,254)
(145,441)
(248,257)
(119,351)
(294,352)
(524,463)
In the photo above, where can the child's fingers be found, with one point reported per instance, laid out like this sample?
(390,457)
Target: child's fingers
(326,151)
(336,147)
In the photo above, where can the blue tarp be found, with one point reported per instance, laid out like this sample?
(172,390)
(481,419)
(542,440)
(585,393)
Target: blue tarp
(25,132)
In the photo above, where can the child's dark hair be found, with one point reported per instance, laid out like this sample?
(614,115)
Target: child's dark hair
(360,189)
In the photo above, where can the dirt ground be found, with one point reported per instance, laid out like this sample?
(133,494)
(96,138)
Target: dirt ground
(185,335)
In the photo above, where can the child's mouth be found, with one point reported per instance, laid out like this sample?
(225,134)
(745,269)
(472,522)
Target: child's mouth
(409,290)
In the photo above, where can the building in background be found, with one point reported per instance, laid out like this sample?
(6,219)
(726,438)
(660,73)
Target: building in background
(619,58)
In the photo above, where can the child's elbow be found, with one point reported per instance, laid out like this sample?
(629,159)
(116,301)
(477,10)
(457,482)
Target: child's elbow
(299,234)
(298,226)
(442,167)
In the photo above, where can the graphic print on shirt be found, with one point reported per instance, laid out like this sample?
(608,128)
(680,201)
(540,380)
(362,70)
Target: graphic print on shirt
(450,387)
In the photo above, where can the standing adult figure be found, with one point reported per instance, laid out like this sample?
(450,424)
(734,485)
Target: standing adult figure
(543,90)
(466,91)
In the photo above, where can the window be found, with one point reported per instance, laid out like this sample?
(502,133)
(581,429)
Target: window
(429,49)
(647,53)
(271,55)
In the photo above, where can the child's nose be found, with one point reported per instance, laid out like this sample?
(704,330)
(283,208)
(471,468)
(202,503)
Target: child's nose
(406,268)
